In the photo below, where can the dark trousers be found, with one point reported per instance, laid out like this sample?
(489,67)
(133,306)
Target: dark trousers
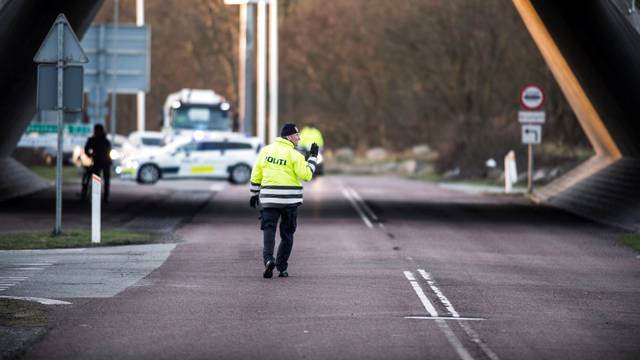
(288,225)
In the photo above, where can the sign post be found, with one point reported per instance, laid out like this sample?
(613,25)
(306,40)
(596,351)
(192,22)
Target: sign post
(96,192)
(60,47)
(532,118)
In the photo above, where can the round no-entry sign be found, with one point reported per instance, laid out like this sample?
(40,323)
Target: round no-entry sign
(532,97)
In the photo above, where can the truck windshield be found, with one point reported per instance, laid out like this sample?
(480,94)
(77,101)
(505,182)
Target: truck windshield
(193,117)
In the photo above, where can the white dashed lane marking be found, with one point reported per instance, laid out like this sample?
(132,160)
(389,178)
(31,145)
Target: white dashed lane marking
(451,337)
(472,334)
(13,274)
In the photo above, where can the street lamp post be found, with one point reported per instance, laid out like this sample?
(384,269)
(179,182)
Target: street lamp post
(261,69)
(245,67)
(273,70)
(140,95)
(261,80)
(114,92)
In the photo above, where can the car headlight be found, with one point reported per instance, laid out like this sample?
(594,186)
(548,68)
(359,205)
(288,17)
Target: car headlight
(114,154)
(198,135)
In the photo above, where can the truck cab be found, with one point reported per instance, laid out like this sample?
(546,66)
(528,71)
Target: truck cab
(191,110)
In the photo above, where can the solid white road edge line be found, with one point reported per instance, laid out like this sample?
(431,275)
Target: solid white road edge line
(34,264)
(442,325)
(467,329)
(366,208)
(43,301)
(358,210)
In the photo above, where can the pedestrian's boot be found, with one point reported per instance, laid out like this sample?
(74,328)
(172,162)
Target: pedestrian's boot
(268,269)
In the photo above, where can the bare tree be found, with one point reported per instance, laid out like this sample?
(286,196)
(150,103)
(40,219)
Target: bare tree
(371,72)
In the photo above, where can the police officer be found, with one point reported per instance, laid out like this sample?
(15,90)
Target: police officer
(98,148)
(275,185)
(309,135)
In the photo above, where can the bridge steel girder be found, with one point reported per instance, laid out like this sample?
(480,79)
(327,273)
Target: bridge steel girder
(23,26)
(593,52)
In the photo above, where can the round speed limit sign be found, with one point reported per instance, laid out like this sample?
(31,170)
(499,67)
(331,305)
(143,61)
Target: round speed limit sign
(532,97)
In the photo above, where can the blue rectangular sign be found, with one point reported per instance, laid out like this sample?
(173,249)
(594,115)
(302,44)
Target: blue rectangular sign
(119,58)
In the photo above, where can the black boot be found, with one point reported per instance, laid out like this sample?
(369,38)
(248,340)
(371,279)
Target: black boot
(268,269)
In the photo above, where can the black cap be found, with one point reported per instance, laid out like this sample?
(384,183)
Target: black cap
(288,129)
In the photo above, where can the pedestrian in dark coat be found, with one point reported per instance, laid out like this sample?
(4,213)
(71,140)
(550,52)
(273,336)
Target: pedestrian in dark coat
(98,148)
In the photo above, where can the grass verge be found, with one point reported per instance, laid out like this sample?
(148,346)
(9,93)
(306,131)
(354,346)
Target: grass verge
(70,174)
(22,323)
(22,313)
(70,239)
(632,240)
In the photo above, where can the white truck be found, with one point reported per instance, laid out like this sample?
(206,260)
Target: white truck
(191,110)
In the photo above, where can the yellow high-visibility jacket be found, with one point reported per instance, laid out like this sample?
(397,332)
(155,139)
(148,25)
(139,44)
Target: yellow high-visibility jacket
(277,173)
(310,135)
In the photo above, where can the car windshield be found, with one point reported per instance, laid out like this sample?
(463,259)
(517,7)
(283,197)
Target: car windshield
(175,145)
(201,117)
(152,141)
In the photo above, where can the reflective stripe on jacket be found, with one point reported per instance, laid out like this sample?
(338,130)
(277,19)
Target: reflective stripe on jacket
(277,173)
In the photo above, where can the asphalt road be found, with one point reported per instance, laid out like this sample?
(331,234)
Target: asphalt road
(382,268)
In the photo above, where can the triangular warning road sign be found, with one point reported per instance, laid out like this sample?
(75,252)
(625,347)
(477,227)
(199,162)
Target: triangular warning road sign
(72,51)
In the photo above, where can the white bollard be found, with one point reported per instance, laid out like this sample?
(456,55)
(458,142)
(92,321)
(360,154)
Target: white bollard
(510,171)
(96,194)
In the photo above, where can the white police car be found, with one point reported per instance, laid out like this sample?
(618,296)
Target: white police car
(221,156)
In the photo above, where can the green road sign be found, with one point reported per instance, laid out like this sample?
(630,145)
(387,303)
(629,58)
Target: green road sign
(78,129)
(47,128)
(42,128)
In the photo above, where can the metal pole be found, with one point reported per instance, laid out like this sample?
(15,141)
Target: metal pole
(57,230)
(273,70)
(530,170)
(242,45)
(140,95)
(249,97)
(101,93)
(262,67)
(114,69)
